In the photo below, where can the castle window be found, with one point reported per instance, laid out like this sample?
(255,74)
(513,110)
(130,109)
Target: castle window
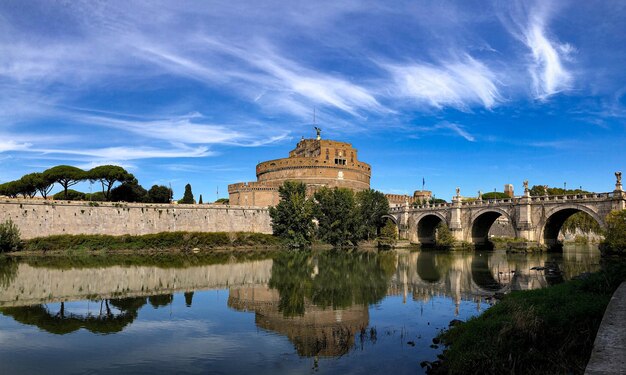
(340,161)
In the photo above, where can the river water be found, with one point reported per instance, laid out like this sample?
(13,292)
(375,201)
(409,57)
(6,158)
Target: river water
(271,313)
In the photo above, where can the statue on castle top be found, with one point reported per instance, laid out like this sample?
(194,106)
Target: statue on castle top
(618,176)
(458,191)
(319,132)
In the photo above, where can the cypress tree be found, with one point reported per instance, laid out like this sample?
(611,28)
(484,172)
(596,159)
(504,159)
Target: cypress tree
(200,200)
(188,196)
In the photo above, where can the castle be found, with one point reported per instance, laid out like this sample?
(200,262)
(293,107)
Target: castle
(316,162)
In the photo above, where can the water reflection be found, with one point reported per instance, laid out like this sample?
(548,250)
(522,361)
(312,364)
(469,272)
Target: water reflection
(113,316)
(323,303)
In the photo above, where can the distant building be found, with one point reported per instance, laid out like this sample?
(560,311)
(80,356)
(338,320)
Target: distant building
(316,162)
(508,190)
(419,196)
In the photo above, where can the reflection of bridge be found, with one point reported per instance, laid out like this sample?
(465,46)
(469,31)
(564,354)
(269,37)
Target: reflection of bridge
(473,276)
(536,219)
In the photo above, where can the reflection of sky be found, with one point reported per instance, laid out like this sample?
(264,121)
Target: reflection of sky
(210,337)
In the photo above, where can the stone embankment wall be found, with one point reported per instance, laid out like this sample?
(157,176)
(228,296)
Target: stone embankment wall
(37,218)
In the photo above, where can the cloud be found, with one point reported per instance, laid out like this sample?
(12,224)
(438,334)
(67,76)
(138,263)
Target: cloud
(546,61)
(445,125)
(10,145)
(459,83)
(132,153)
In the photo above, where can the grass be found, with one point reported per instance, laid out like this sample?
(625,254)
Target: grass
(158,241)
(544,331)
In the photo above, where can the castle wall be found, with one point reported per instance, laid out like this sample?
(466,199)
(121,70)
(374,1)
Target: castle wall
(314,162)
(37,218)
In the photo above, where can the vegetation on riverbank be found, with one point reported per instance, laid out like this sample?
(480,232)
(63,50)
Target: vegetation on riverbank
(615,234)
(9,237)
(343,217)
(544,331)
(157,241)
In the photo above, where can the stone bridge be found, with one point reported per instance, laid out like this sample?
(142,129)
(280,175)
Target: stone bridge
(536,219)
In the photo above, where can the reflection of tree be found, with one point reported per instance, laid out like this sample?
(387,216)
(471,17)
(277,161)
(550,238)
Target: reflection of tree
(8,271)
(427,267)
(161,300)
(330,279)
(188,298)
(62,322)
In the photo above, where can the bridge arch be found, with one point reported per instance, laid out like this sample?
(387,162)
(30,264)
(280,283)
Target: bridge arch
(553,221)
(391,217)
(482,221)
(427,227)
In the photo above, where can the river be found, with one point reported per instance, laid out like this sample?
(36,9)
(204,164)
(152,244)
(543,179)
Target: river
(272,313)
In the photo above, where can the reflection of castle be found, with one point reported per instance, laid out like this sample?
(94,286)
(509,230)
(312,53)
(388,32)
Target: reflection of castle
(318,332)
(316,162)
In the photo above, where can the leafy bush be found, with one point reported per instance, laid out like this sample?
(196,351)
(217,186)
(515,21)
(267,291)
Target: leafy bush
(72,195)
(615,234)
(9,237)
(388,234)
(444,237)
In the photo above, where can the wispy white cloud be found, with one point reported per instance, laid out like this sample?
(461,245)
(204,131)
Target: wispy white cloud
(460,83)
(546,63)
(445,126)
(132,153)
(10,145)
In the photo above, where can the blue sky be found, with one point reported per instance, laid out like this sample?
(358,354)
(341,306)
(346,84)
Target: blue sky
(473,94)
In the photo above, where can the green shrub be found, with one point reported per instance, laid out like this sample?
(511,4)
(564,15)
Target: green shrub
(388,235)
(444,237)
(615,234)
(9,237)
(156,241)
(72,195)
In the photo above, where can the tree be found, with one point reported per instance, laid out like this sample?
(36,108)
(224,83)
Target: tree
(388,234)
(160,194)
(10,189)
(371,206)
(292,218)
(70,194)
(129,191)
(42,183)
(188,196)
(65,175)
(108,175)
(97,196)
(9,236)
(336,215)
(200,200)
(539,190)
(27,185)
(443,236)
(495,195)
(615,233)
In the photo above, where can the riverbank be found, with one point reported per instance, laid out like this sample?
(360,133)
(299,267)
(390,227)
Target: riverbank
(148,243)
(549,330)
